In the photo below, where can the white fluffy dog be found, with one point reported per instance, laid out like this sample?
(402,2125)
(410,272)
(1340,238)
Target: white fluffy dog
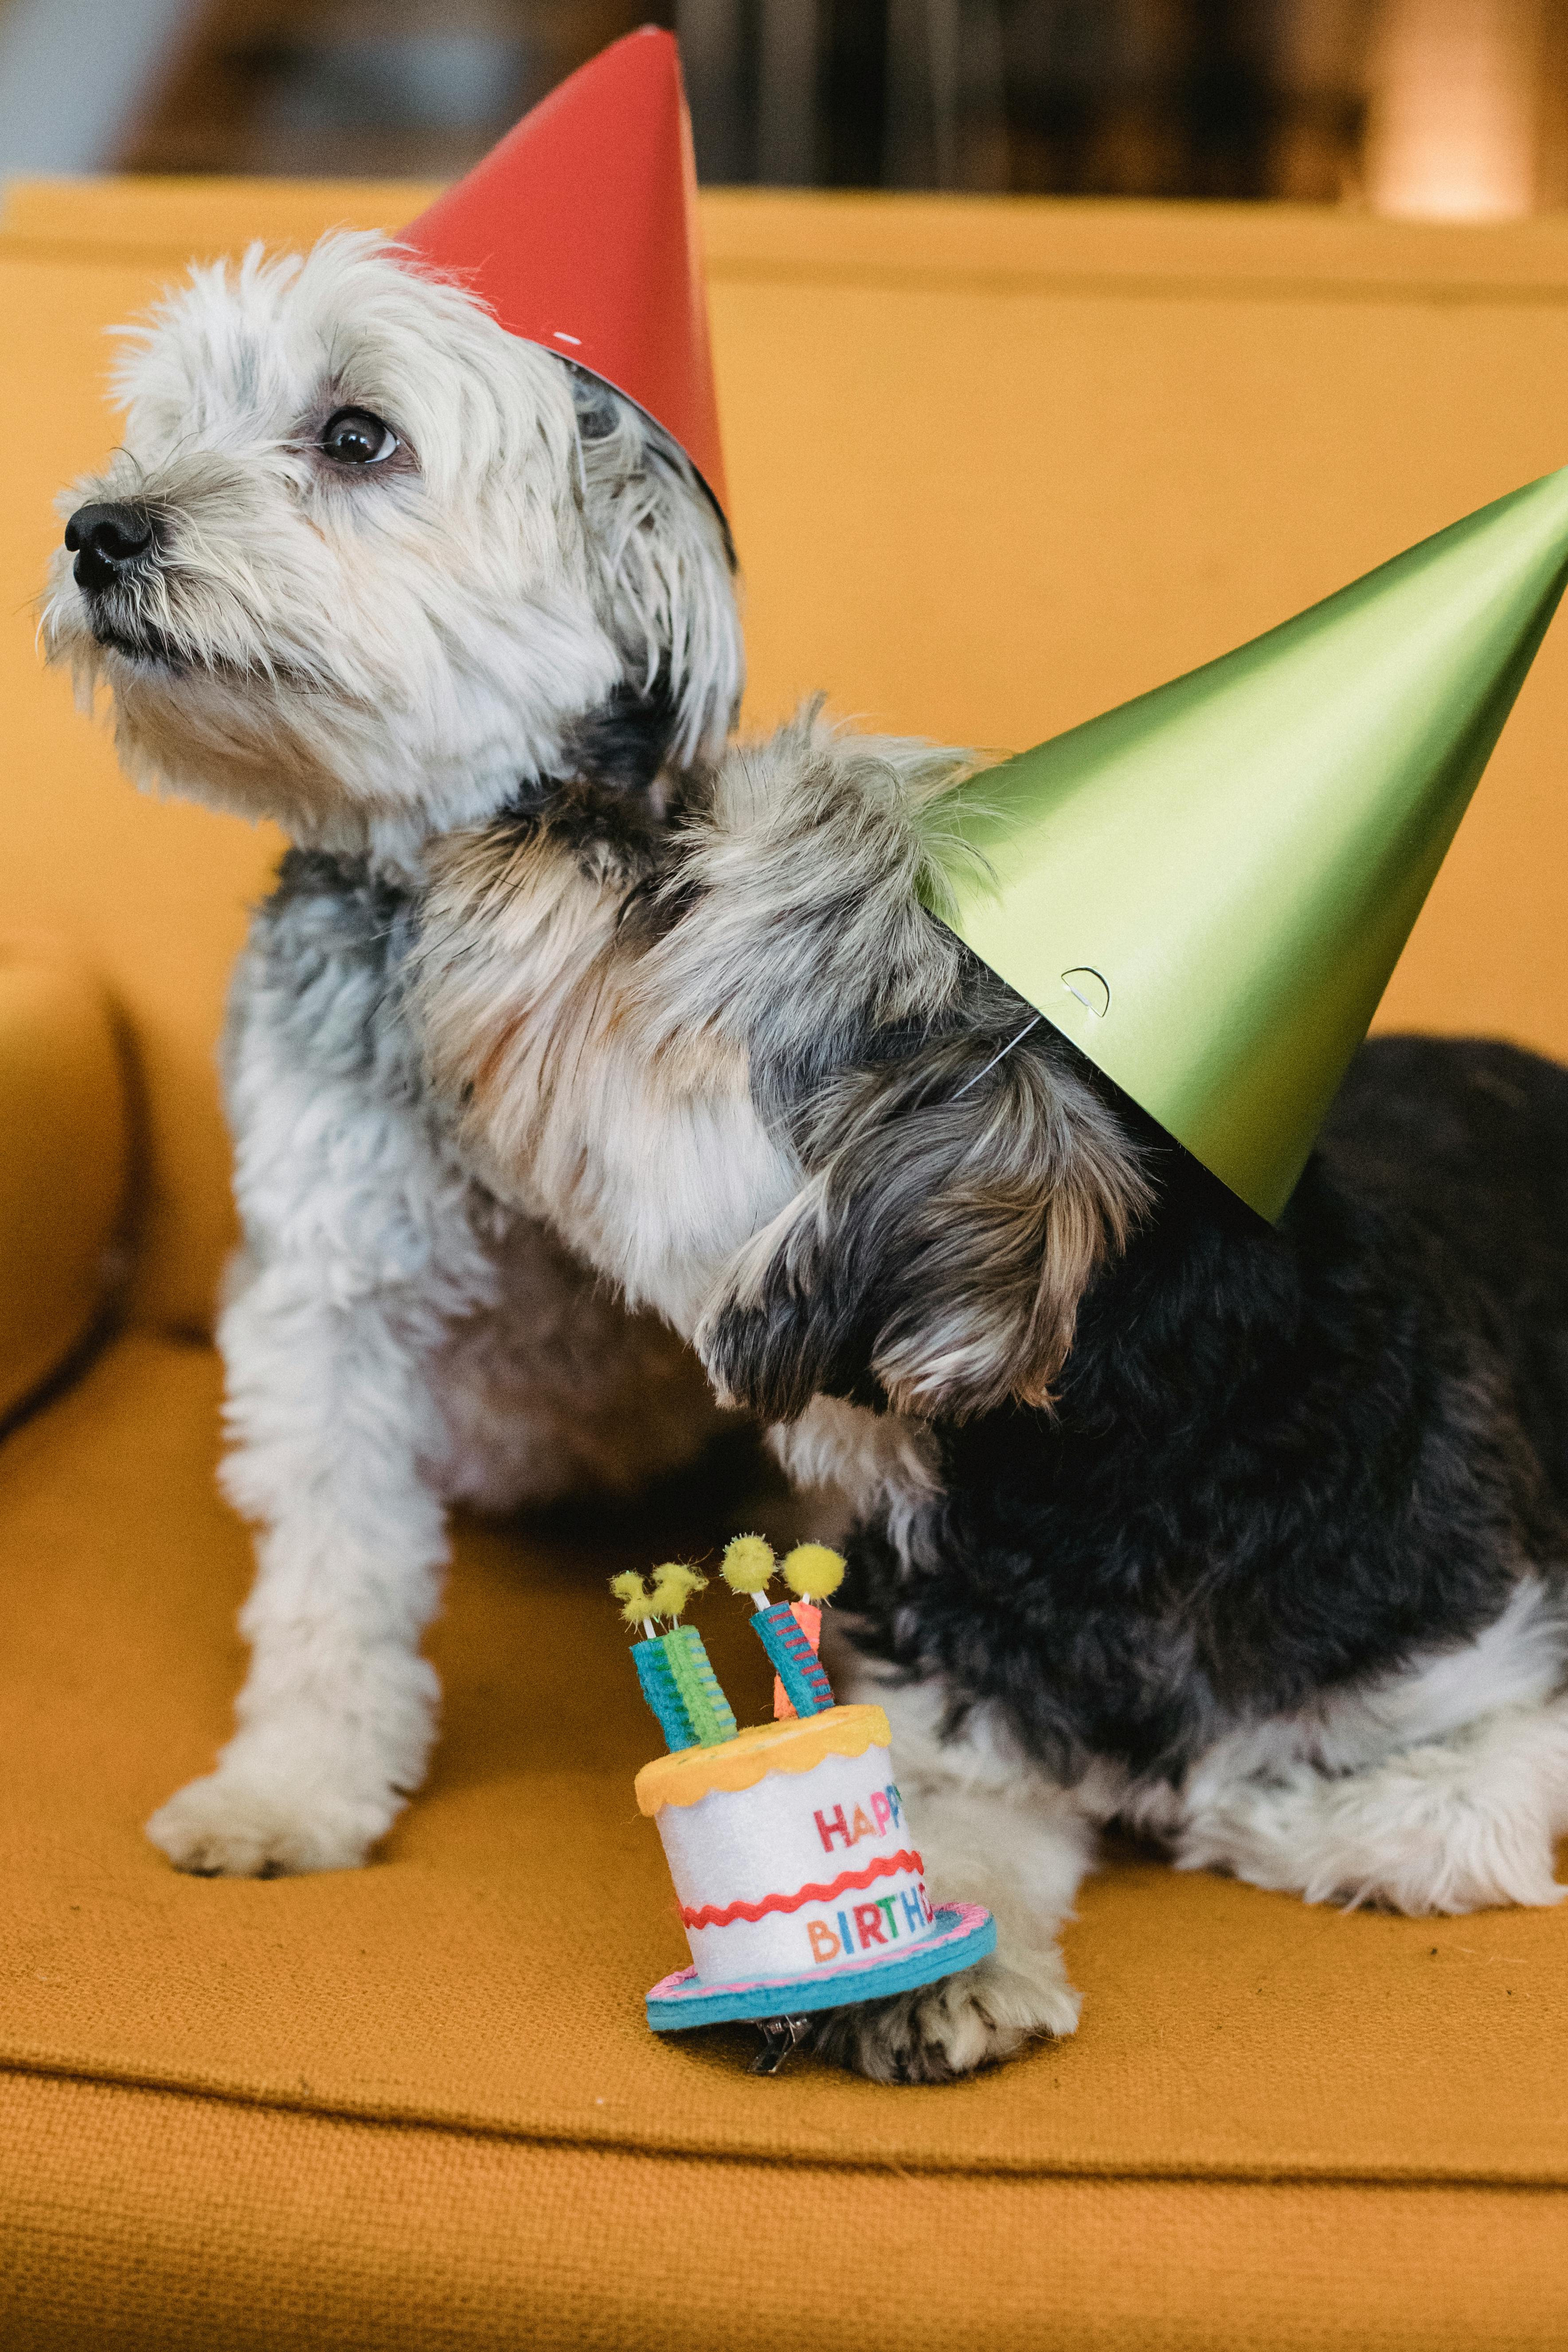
(371,566)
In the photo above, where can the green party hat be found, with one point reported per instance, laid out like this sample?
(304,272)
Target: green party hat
(1207,889)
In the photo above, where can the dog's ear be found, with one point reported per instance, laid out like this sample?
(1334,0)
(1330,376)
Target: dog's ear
(667,566)
(940,1250)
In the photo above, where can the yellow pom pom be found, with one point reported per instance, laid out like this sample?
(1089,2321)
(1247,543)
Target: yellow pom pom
(748,1563)
(813,1572)
(673,1586)
(637,1604)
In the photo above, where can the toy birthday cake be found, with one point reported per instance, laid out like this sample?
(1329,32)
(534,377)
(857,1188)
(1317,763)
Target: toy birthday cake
(797,1874)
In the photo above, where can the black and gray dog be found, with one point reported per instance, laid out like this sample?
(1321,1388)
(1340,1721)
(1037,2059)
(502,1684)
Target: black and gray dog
(1251,1539)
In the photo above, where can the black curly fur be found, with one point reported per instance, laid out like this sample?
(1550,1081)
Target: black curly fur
(625,742)
(1278,1461)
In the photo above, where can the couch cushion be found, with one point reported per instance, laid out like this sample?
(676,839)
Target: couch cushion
(64,1154)
(487,1973)
(140,2220)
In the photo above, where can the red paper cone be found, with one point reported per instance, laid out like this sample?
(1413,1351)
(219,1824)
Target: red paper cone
(579,233)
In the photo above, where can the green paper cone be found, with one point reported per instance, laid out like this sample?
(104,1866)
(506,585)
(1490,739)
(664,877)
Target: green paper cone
(1207,889)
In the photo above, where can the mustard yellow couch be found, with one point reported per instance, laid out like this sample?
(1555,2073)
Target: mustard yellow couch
(995,465)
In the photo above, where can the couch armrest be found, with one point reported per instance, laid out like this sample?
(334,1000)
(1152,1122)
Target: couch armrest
(64,1160)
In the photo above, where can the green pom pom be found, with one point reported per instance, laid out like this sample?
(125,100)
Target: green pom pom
(813,1572)
(748,1563)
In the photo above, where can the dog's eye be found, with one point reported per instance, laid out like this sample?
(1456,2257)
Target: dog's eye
(352,437)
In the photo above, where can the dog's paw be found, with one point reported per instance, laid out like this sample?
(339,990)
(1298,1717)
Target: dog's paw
(941,2031)
(232,1824)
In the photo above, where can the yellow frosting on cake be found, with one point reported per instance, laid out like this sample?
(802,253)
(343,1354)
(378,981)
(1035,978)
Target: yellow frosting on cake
(792,1745)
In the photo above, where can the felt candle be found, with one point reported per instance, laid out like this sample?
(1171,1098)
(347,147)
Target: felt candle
(673,1668)
(748,1565)
(814,1572)
(791,1631)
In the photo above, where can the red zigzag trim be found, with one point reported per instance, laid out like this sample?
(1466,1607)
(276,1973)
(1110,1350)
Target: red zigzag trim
(886,1865)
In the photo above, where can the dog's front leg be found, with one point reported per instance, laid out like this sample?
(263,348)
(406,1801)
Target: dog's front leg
(365,1246)
(337,1437)
(988,1832)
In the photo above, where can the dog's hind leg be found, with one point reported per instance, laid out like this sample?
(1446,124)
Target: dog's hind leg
(1403,1795)
(1457,1825)
(991,1832)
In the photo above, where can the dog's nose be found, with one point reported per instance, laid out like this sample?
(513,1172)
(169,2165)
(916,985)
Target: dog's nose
(106,542)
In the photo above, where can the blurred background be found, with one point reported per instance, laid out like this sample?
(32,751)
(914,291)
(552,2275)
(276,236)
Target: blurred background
(1447,108)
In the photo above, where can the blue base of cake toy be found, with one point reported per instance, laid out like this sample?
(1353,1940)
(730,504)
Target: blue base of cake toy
(964,1934)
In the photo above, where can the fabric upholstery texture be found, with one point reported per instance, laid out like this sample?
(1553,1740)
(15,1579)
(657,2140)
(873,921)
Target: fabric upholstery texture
(1370,2084)
(154,2224)
(64,1160)
(416,2105)
(488,1970)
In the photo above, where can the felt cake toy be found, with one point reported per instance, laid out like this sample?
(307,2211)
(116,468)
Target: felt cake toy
(795,1863)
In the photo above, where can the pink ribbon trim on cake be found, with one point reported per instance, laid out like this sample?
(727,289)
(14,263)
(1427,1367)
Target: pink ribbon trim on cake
(886,1865)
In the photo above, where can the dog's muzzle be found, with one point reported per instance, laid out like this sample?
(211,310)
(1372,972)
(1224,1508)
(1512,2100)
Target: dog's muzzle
(116,548)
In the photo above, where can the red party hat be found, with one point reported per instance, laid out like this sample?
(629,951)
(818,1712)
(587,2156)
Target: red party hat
(579,233)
